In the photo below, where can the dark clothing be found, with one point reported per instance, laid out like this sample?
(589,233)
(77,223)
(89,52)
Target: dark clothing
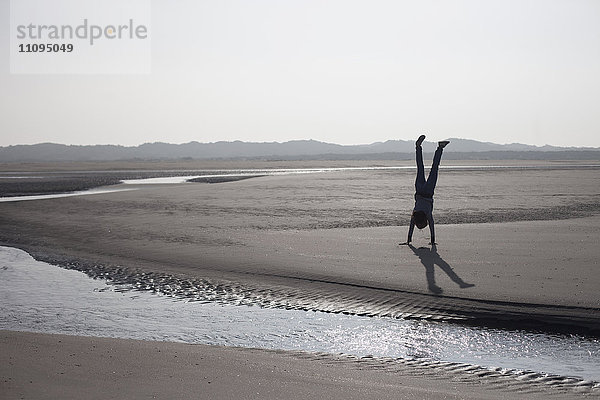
(426,187)
(424,190)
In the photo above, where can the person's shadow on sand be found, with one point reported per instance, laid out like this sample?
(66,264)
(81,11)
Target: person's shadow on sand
(430,258)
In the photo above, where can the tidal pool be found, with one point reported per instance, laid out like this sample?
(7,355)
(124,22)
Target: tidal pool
(39,297)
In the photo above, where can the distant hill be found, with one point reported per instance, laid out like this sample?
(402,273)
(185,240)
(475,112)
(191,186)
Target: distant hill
(296,149)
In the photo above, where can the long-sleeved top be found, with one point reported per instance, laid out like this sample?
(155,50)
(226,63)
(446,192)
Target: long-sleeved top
(425,204)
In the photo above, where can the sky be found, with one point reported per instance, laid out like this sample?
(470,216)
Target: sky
(338,71)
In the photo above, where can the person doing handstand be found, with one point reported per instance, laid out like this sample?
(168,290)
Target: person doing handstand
(422,214)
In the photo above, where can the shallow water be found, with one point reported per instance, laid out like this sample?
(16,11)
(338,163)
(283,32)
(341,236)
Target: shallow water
(60,195)
(164,177)
(35,296)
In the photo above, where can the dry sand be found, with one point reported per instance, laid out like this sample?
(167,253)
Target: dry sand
(516,246)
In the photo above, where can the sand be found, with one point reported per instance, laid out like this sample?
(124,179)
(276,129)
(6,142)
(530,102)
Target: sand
(329,241)
(516,248)
(41,366)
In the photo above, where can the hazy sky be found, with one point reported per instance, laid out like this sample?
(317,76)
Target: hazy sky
(342,71)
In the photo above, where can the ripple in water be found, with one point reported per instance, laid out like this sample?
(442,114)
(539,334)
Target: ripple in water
(35,296)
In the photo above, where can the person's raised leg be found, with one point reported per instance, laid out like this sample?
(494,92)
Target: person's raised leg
(420,180)
(433,174)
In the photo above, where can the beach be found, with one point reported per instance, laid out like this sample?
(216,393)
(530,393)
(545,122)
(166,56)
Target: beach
(517,248)
(43,366)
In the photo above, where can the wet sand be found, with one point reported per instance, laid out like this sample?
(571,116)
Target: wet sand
(41,366)
(516,247)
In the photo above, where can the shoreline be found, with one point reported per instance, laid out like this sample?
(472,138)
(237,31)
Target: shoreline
(43,366)
(63,178)
(329,242)
(564,311)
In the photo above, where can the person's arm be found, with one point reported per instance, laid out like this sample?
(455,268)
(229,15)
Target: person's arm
(411,229)
(431,228)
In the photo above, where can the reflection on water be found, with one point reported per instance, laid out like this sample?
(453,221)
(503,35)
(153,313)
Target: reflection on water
(59,195)
(35,296)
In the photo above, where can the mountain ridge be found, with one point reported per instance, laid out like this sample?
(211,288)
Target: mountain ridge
(296,149)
